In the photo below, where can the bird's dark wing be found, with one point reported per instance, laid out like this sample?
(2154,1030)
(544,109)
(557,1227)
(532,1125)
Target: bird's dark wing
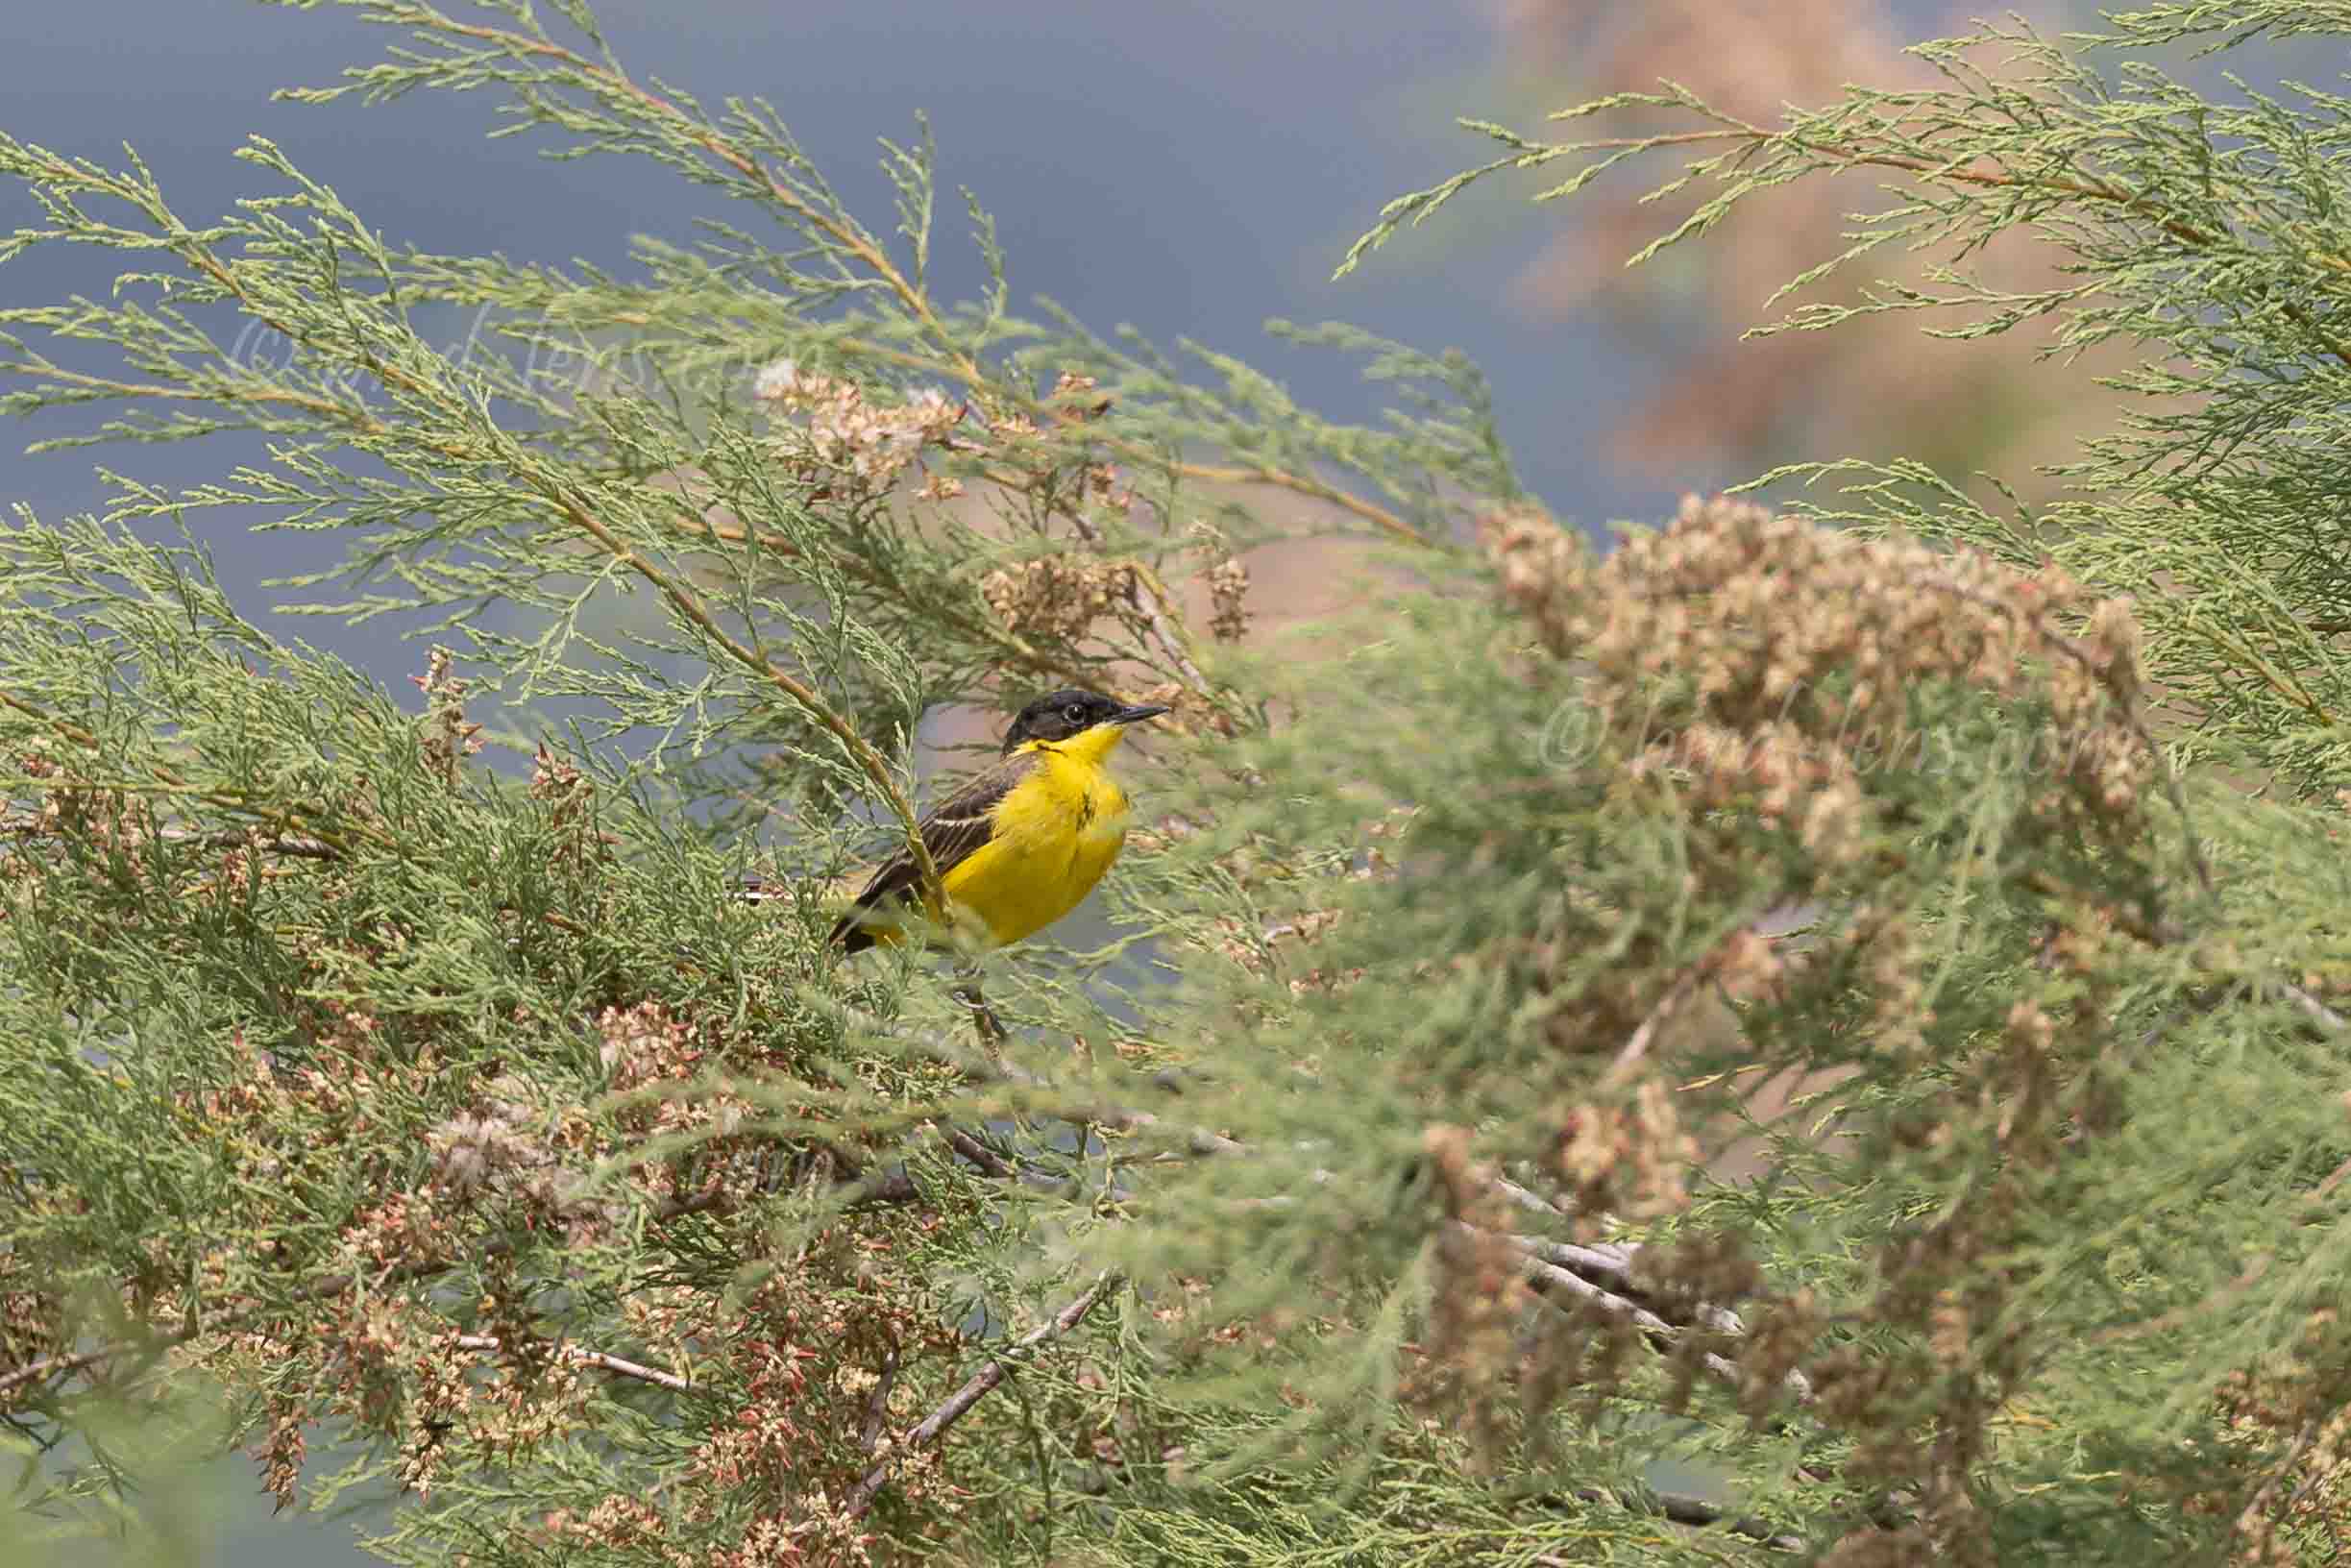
(952,832)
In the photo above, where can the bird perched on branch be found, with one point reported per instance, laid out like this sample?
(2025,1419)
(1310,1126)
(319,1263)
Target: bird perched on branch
(1023,844)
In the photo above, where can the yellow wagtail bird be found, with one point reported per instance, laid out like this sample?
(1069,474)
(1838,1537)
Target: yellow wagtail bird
(1021,844)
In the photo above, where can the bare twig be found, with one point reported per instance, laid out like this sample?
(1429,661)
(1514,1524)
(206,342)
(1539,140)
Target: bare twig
(1560,1276)
(2317,1011)
(1552,1274)
(1606,1264)
(1682,1508)
(594,1359)
(2250,1518)
(877,1404)
(65,1365)
(981,1382)
(994,1035)
(991,1163)
(1637,1047)
(1148,598)
(1532,1202)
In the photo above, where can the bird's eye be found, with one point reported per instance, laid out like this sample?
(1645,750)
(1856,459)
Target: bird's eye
(1074,714)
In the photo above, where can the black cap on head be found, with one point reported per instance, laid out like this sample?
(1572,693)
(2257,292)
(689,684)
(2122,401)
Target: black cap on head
(1061,714)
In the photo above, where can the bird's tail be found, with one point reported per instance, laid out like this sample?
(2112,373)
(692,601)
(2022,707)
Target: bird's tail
(851,933)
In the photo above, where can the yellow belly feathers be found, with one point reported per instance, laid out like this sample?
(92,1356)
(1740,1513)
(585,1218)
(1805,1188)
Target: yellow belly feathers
(1056,833)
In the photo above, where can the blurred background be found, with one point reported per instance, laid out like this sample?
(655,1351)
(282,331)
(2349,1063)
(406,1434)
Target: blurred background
(1191,167)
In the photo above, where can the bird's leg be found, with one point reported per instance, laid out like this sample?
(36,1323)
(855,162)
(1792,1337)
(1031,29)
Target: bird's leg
(992,1030)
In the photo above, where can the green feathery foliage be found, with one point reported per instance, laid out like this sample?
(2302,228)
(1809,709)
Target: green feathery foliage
(2207,231)
(1375,1193)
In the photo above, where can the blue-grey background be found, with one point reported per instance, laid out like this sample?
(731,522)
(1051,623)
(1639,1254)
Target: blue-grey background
(1191,167)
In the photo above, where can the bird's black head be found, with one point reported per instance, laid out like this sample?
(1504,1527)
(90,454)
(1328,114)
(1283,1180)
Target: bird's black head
(1070,712)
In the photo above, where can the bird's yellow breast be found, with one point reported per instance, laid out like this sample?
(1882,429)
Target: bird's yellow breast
(1054,834)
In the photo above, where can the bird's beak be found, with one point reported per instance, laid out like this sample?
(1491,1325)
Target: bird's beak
(1138,714)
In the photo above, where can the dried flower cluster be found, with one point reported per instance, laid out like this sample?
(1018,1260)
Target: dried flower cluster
(1471,1349)
(1764,618)
(412,1305)
(449,736)
(1629,1161)
(1768,667)
(851,436)
(1058,597)
(1228,587)
(1764,674)
(379,1340)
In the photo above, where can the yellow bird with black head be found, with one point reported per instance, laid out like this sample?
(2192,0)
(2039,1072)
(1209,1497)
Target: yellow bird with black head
(1024,842)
